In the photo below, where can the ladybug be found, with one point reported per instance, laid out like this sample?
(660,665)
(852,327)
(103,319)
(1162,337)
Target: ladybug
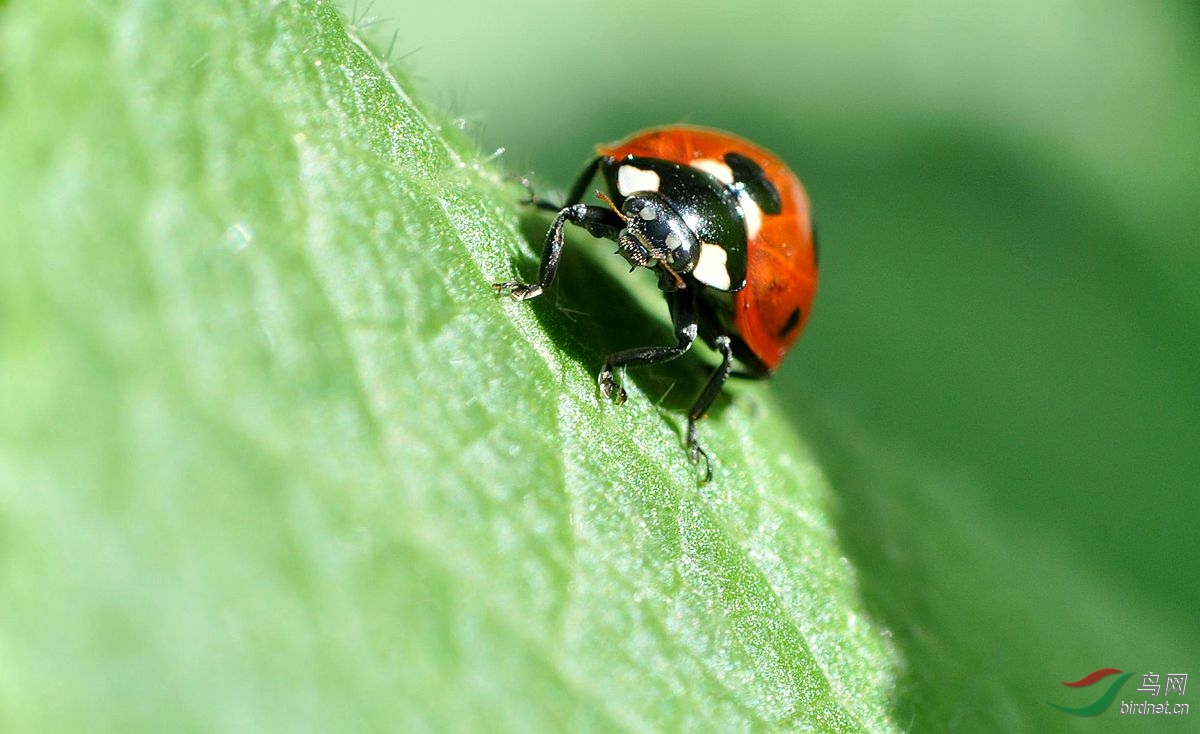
(727,228)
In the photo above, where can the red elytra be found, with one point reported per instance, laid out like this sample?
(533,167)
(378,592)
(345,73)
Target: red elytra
(781,271)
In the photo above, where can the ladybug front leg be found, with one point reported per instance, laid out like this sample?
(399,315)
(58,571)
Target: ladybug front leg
(599,222)
(578,189)
(709,394)
(683,317)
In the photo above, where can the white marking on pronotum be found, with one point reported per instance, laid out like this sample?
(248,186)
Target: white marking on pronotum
(631,180)
(723,172)
(674,241)
(711,268)
(648,213)
(752,214)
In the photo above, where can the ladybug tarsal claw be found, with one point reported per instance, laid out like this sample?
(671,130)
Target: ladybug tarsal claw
(695,453)
(610,388)
(518,291)
(531,197)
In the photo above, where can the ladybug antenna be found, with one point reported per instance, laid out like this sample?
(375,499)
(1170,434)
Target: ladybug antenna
(679,284)
(604,197)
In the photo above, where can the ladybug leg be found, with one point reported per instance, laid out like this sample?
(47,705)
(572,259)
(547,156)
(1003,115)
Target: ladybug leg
(683,317)
(578,188)
(531,197)
(597,220)
(580,185)
(709,394)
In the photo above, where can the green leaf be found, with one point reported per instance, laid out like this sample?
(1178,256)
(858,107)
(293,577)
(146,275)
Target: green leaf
(273,456)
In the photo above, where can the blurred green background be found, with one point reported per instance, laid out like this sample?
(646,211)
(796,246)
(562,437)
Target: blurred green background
(1007,198)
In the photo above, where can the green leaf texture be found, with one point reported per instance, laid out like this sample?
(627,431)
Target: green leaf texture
(273,456)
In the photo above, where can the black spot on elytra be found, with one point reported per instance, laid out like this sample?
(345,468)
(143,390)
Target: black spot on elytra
(793,321)
(755,182)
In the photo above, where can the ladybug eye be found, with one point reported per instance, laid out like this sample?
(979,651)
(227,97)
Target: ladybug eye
(648,212)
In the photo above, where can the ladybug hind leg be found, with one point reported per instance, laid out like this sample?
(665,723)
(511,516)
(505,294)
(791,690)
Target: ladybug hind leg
(707,396)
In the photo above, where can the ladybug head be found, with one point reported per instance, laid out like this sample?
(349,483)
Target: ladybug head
(654,233)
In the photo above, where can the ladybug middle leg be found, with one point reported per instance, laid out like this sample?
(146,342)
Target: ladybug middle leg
(684,321)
